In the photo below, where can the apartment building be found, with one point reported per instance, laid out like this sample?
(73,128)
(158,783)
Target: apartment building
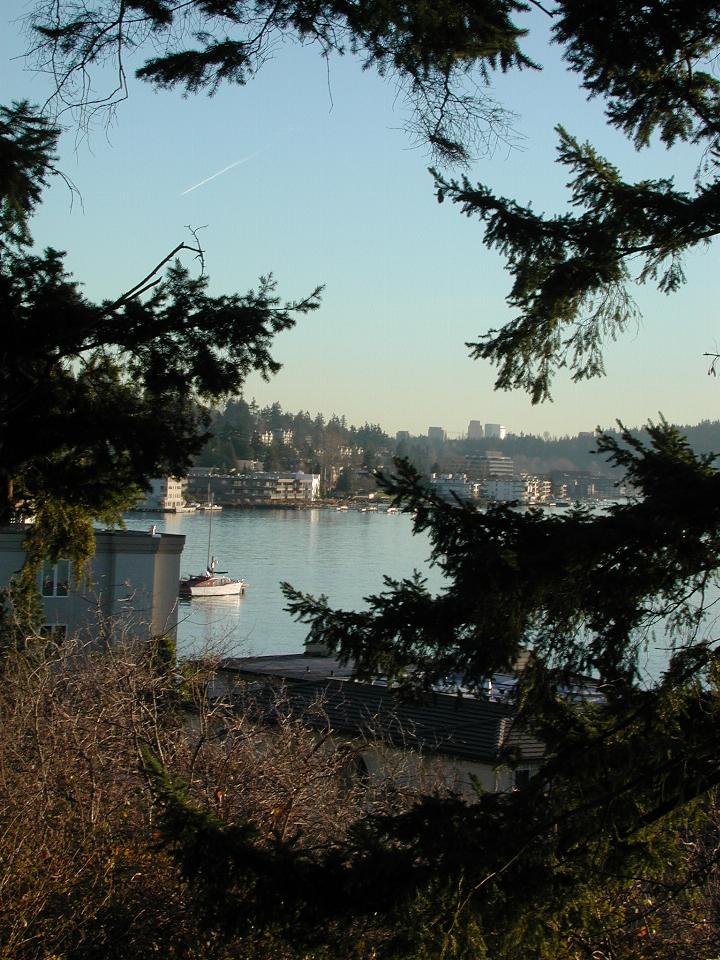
(455,485)
(258,488)
(489,465)
(132,589)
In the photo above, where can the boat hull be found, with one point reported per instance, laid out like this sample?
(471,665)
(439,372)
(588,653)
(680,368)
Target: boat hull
(196,587)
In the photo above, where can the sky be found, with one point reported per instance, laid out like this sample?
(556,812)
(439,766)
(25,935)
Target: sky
(307,173)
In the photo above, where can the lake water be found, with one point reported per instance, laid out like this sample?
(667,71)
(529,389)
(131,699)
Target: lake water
(321,551)
(341,554)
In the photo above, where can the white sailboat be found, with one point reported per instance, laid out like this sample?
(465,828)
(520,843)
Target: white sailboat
(213,582)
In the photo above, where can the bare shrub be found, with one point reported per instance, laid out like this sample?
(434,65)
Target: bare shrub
(75,814)
(81,873)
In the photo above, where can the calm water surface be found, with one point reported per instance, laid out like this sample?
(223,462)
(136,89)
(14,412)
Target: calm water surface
(343,555)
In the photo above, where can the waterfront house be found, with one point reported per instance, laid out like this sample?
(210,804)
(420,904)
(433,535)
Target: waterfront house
(460,738)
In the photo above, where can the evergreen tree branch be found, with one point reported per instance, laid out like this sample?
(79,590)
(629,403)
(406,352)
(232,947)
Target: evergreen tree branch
(571,272)
(429,50)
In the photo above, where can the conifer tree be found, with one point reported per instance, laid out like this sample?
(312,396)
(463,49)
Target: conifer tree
(432,50)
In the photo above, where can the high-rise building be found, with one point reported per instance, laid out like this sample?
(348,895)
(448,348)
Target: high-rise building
(495,431)
(402,435)
(475,430)
(437,434)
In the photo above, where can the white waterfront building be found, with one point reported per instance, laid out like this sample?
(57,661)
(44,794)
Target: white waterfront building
(452,485)
(527,489)
(166,495)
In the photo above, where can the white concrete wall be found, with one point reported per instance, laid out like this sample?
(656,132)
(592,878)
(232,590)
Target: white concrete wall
(430,771)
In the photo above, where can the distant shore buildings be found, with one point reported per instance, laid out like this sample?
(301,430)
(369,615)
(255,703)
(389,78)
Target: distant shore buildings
(252,487)
(485,464)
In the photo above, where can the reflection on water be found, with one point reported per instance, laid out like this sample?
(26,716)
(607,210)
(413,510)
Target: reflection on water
(215,620)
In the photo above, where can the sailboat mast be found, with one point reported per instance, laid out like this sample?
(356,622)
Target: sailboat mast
(210,505)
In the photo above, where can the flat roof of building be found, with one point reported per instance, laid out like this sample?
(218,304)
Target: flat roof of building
(298,666)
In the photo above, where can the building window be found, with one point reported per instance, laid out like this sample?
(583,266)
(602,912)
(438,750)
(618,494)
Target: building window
(57,632)
(55,578)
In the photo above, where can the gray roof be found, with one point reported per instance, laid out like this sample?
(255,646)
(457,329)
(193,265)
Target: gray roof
(290,665)
(439,723)
(322,690)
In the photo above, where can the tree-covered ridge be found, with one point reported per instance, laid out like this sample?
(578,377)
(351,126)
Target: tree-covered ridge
(545,454)
(304,441)
(284,440)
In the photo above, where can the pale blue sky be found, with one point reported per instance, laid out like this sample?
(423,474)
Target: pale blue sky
(332,191)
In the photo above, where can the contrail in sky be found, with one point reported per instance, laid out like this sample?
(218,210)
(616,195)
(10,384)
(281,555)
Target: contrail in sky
(220,172)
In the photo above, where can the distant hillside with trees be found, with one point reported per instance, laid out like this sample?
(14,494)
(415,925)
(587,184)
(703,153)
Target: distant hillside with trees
(543,455)
(312,442)
(299,440)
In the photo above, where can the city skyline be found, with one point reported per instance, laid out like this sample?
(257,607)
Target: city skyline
(307,172)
